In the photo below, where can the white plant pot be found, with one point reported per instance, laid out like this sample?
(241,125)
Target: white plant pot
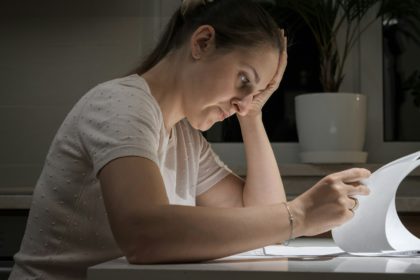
(331,127)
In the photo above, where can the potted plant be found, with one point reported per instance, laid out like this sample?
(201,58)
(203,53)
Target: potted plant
(331,124)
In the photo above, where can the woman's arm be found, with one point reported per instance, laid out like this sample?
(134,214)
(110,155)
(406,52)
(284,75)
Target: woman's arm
(149,230)
(263,183)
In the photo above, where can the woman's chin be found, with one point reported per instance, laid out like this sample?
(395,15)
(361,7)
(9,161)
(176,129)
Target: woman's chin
(204,126)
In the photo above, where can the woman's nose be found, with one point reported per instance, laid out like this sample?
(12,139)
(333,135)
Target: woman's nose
(242,105)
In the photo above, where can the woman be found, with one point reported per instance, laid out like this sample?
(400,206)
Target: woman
(129,174)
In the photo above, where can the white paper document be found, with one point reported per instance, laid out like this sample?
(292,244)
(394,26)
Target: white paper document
(376,228)
(374,231)
(319,251)
(290,251)
(301,251)
(399,254)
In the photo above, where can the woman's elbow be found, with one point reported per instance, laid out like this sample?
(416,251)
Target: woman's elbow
(143,252)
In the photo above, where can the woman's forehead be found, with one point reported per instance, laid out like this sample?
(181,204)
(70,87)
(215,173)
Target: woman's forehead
(263,59)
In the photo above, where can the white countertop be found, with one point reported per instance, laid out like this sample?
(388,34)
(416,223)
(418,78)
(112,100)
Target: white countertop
(340,267)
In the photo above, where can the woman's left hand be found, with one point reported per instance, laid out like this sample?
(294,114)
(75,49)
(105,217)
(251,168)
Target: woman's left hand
(261,98)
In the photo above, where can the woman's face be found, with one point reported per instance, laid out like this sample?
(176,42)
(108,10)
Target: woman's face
(221,85)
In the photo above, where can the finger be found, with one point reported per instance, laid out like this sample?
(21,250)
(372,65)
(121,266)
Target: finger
(358,189)
(283,41)
(263,96)
(283,56)
(351,175)
(281,67)
(351,203)
(355,184)
(346,203)
(356,203)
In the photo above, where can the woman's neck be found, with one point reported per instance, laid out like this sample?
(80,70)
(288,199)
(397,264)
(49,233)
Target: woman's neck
(166,87)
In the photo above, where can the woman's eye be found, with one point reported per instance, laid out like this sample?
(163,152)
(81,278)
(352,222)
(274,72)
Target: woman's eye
(244,79)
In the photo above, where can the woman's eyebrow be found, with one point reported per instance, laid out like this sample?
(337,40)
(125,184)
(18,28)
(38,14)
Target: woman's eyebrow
(256,76)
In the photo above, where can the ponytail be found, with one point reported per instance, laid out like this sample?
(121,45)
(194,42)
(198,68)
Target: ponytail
(164,45)
(190,5)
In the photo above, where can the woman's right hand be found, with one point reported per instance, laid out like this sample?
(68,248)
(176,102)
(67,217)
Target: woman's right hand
(329,202)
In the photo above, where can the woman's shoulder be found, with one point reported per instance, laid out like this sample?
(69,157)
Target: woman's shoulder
(127,92)
(126,98)
(129,85)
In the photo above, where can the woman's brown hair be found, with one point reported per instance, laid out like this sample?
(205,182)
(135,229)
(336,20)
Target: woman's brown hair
(237,23)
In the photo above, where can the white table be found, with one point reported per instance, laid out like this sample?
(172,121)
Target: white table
(340,267)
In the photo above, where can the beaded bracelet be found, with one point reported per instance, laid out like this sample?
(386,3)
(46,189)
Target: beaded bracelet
(291,221)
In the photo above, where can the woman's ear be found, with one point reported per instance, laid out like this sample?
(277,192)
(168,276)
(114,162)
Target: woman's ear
(202,41)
